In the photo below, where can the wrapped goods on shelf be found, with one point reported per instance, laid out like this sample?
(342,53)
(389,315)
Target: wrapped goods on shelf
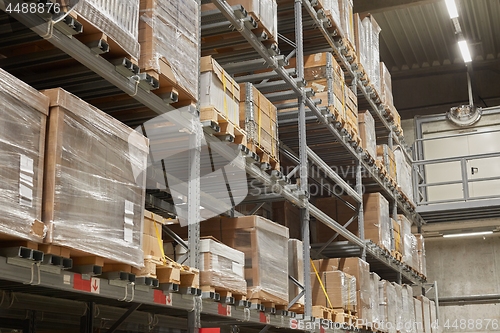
(288,215)
(360,38)
(387,306)
(340,289)
(258,117)
(325,76)
(377,221)
(426,314)
(94,184)
(419,317)
(433,316)
(169,37)
(398,307)
(220,94)
(385,85)
(403,172)
(118,20)
(408,310)
(359,269)
(421,254)
(414,252)
(221,267)
(367,132)
(23,118)
(295,268)
(396,234)
(386,156)
(265,245)
(347,20)
(372,32)
(265,12)
(406,239)
(374,317)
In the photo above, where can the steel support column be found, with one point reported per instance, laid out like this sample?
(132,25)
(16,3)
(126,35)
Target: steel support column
(304,169)
(361,217)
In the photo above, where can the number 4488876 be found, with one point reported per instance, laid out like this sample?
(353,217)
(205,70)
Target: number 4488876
(34,8)
(471,324)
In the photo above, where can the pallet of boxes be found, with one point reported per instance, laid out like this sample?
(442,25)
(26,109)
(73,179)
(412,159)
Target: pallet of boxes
(220,101)
(326,78)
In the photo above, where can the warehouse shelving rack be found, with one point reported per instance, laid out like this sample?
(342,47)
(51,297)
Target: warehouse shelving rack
(26,275)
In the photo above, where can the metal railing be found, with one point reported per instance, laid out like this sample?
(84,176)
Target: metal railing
(421,186)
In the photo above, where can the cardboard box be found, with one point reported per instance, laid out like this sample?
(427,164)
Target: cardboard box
(398,306)
(93,199)
(288,215)
(117,19)
(367,132)
(406,240)
(426,313)
(23,118)
(433,316)
(408,309)
(357,268)
(219,92)
(258,117)
(387,308)
(340,288)
(404,173)
(419,316)
(168,36)
(376,218)
(374,316)
(385,86)
(386,155)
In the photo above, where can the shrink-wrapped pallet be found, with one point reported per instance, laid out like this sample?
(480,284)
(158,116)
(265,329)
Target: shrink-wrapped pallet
(372,31)
(386,156)
(387,309)
(385,85)
(258,117)
(422,263)
(406,239)
(419,316)
(375,317)
(118,20)
(367,132)
(94,182)
(169,37)
(340,288)
(408,310)
(403,173)
(23,117)
(426,314)
(398,307)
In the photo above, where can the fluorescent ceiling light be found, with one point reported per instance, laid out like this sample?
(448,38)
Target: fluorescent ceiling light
(469,234)
(452,8)
(465,50)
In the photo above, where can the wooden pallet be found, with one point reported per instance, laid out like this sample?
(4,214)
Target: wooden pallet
(397,255)
(225,292)
(345,316)
(322,312)
(382,170)
(297,308)
(265,157)
(277,305)
(227,127)
(169,272)
(92,35)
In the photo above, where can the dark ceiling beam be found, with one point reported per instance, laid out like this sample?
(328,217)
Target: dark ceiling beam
(379,6)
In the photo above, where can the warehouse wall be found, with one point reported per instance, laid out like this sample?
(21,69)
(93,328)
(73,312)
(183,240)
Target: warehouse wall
(466,266)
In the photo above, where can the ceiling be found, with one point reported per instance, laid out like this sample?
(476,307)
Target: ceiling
(419,46)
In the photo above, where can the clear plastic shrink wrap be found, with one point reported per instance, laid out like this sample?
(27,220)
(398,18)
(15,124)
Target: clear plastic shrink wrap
(388,305)
(372,31)
(404,173)
(222,266)
(23,116)
(265,245)
(118,19)
(406,239)
(419,316)
(385,85)
(398,311)
(295,268)
(426,314)
(422,263)
(367,132)
(94,184)
(258,117)
(375,317)
(340,288)
(434,322)
(169,37)
(362,47)
(377,219)
(408,310)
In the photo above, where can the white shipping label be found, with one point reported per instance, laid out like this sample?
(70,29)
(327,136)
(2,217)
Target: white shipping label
(239,269)
(128,234)
(26,175)
(129,213)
